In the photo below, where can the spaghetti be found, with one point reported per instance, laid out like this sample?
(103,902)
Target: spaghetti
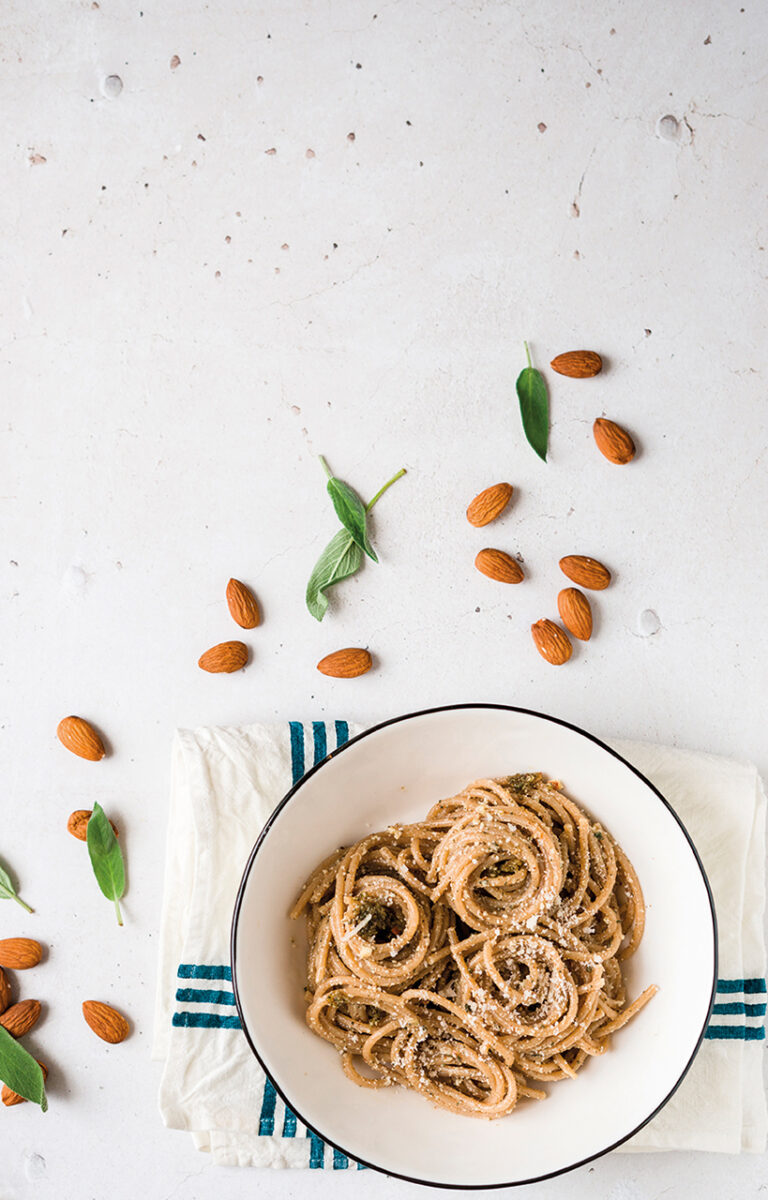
(474,955)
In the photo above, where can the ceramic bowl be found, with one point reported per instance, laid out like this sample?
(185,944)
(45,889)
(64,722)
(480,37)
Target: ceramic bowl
(395,772)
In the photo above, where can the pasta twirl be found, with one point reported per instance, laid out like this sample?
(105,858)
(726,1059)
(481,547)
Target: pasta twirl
(474,955)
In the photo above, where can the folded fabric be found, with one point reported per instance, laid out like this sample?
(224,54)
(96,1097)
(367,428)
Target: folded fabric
(226,782)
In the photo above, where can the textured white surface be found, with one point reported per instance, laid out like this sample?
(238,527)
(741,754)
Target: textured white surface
(164,390)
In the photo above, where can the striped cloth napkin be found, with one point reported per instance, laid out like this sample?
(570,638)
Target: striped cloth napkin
(226,782)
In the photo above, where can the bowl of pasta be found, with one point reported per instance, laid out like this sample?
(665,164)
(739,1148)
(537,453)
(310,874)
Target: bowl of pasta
(474,947)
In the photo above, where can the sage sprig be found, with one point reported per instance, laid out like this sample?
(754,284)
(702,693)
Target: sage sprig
(106,858)
(20,1071)
(8,891)
(343,555)
(534,406)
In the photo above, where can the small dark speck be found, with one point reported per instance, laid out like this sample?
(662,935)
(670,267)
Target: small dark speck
(217,275)
(612,31)
(541,127)
(335,245)
(310,153)
(576,254)
(14,563)
(103,187)
(285,246)
(350,137)
(227,239)
(200,137)
(599,70)
(477,610)
(64,232)
(707,40)
(175,62)
(587,84)
(259,78)
(146,185)
(407,122)
(271,150)
(358,66)
(421,164)
(647,332)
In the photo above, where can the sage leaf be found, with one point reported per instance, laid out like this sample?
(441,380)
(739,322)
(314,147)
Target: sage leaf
(20,1072)
(106,857)
(352,513)
(340,559)
(8,891)
(534,406)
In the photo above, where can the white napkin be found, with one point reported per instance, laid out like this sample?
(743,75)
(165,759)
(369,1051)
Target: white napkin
(225,783)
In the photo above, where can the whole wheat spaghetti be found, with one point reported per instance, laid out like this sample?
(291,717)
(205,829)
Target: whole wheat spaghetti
(476,954)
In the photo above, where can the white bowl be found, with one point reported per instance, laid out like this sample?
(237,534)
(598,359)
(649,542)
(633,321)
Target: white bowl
(396,771)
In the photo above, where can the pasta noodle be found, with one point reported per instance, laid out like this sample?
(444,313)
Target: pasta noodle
(474,955)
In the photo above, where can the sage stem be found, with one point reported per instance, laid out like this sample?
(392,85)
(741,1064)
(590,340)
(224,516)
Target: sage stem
(382,490)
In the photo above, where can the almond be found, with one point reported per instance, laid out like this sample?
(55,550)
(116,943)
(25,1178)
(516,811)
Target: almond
(105,1021)
(578,364)
(346,664)
(21,1017)
(78,824)
(81,738)
(551,642)
(227,656)
(488,505)
(613,441)
(10,1098)
(587,572)
(575,613)
(20,953)
(243,605)
(5,991)
(496,564)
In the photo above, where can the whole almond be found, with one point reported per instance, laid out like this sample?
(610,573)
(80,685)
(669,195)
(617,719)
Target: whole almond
(20,953)
(496,564)
(346,664)
(578,364)
(575,613)
(21,1017)
(105,1021)
(613,441)
(5,991)
(10,1098)
(227,657)
(81,738)
(78,824)
(488,505)
(242,604)
(587,572)
(552,642)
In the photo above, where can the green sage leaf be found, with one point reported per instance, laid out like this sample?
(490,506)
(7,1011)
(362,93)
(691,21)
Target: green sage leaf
(8,891)
(352,513)
(340,559)
(534,407)
(106,857)
(20,1072)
